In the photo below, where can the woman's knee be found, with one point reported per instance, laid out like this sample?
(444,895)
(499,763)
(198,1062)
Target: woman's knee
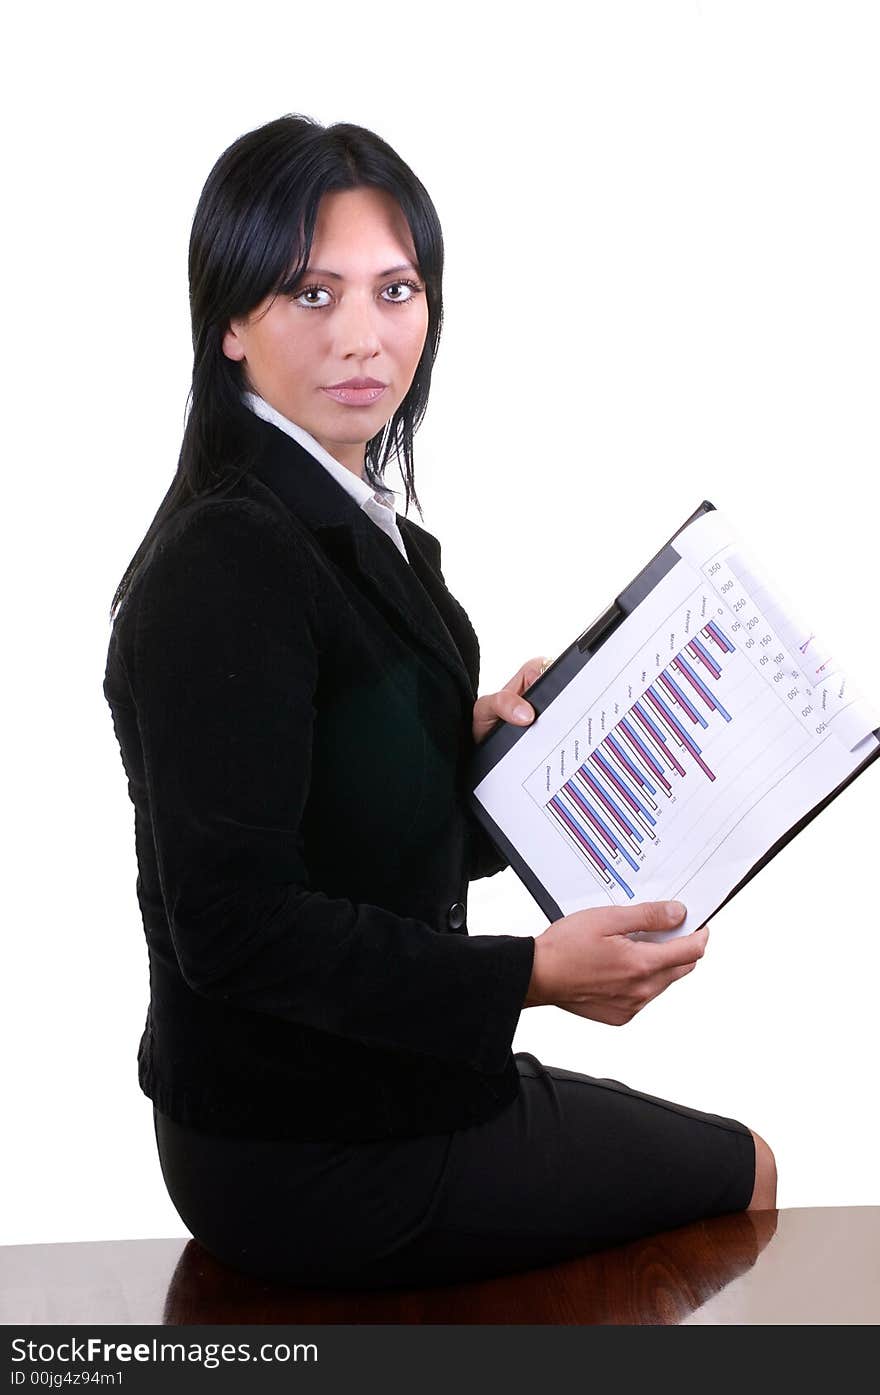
(764,1192)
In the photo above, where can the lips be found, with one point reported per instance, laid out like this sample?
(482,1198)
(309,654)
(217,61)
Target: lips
(357,383)
(357,392)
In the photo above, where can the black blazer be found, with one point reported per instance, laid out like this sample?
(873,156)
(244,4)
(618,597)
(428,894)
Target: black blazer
(293,705)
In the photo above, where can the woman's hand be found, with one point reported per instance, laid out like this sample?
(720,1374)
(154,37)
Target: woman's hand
(507,705)
(586,964)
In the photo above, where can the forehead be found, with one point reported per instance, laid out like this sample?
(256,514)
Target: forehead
(357,226)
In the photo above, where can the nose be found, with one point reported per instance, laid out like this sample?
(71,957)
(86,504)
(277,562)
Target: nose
(357,327)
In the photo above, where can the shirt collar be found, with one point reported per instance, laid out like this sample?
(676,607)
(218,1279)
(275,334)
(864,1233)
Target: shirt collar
(357,487)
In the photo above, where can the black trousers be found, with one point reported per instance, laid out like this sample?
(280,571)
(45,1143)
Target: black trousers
(573,1164)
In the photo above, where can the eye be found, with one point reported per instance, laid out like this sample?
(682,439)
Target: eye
(312,290)
(412,287)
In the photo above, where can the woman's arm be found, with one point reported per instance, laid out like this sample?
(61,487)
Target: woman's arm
(224,673)
(484,859)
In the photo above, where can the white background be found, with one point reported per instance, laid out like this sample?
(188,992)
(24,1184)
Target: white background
(661,224)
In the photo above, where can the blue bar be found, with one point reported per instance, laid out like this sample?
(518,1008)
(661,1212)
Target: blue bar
(725,637)
(575,794)
(598,851)
(684,699)
(605,767)
(704,651)
(685,735)
(642,779)
(653,725)
(588,775)
(702,687)
(647,754)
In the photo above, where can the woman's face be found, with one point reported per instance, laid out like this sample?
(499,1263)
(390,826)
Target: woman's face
(358,311)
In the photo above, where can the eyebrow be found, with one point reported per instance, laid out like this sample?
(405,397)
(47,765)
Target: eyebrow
(337,276)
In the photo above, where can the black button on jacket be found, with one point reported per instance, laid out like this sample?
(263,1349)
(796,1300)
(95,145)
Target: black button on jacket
(293,705)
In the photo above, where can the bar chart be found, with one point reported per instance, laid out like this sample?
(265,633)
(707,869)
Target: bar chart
(633,783)
(688,730)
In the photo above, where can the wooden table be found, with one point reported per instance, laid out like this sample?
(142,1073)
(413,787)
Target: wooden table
(804,1265)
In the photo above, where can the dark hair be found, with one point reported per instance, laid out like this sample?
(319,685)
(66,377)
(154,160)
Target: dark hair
(251,238)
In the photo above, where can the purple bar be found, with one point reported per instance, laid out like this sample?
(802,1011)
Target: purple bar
(677,696)
(686,673)
(701,654)
(666,751)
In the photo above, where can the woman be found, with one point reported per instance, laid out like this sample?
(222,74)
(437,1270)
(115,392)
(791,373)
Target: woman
(293,688)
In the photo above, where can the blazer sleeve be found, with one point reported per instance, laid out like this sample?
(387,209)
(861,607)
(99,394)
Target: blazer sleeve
(224,682)
(484,859)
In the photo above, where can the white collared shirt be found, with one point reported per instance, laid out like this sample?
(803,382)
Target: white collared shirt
(377,505)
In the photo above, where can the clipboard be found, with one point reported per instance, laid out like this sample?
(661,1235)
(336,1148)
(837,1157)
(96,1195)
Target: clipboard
(551,683)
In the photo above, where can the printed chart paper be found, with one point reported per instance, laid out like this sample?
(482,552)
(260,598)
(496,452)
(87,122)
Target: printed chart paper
(702,729)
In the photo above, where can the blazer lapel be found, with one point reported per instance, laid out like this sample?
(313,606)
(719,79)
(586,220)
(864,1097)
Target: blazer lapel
(423,551)
(412,595)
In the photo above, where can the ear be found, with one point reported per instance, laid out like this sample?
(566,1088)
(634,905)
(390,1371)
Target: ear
(233,346)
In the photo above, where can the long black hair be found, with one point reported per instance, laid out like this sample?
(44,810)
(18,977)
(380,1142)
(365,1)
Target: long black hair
(251,238)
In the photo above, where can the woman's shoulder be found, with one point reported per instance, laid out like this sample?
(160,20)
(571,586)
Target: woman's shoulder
(244,537)
(247,511)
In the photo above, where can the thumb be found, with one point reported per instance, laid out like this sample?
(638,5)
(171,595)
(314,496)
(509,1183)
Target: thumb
(526,676)
(643,915)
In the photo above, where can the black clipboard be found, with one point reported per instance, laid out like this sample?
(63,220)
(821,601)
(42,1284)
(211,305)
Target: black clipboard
(557,676)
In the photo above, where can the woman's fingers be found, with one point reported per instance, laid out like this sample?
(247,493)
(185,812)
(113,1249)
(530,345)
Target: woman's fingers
(642,915)
(508,704)
(503,706)
(685,949)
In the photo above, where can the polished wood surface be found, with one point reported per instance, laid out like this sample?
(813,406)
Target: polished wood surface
(805,1265)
